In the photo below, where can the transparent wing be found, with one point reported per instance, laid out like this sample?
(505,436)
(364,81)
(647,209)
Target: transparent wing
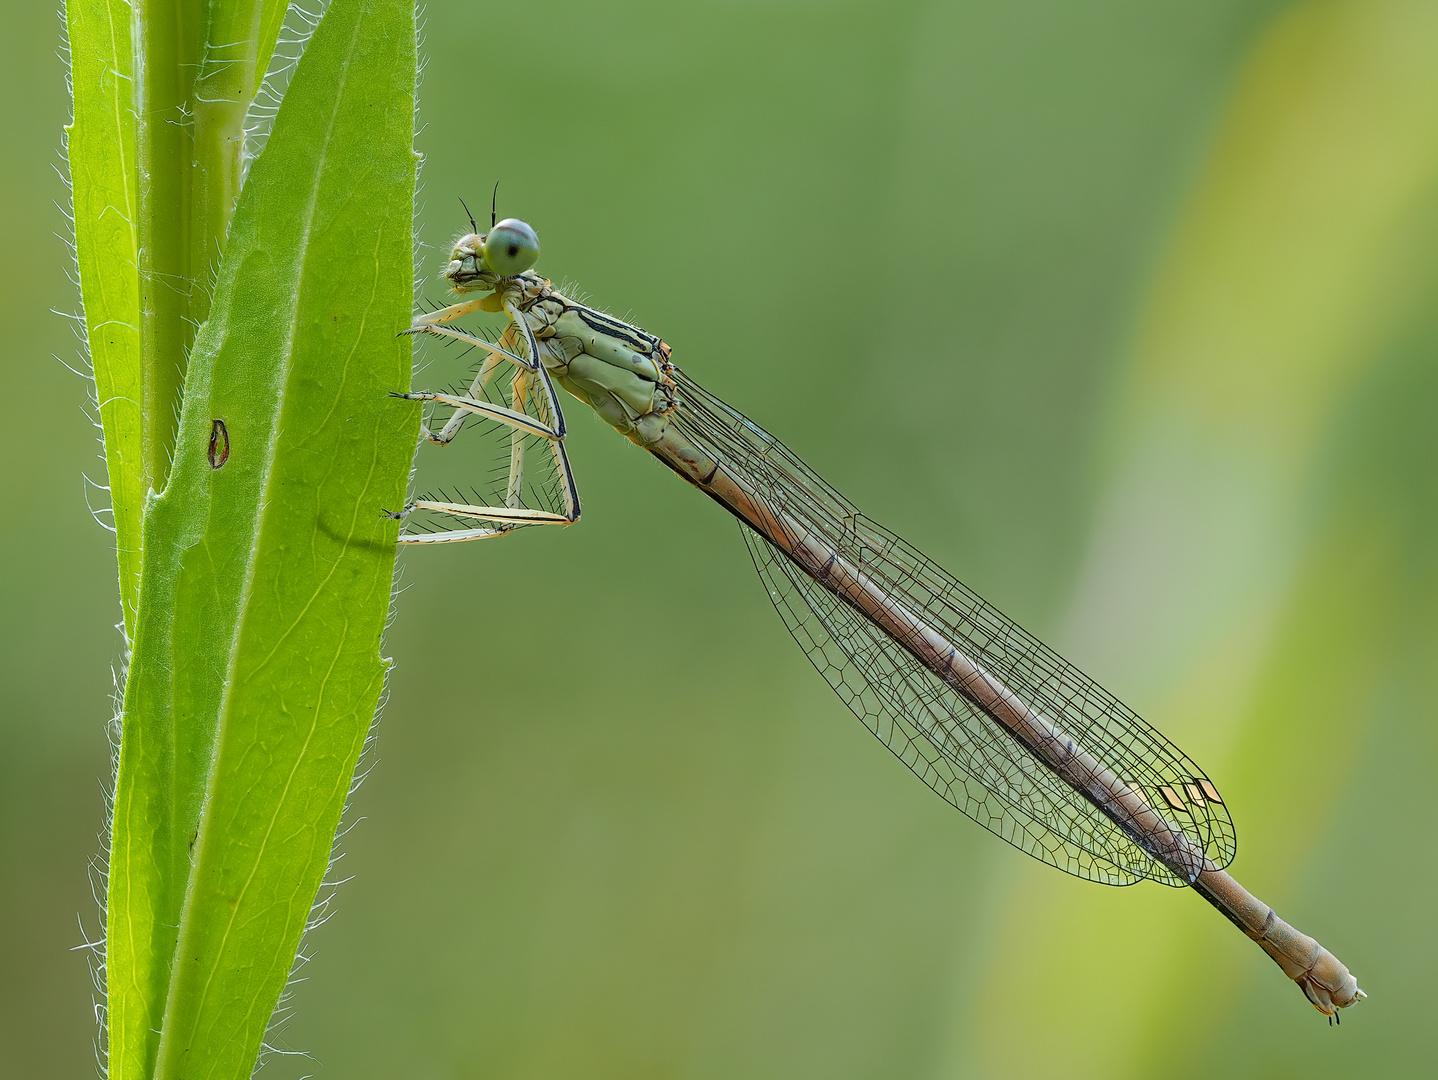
(951,744)
(499,465)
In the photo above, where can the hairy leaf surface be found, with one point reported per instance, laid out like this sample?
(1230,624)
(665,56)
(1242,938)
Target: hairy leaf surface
(267,567)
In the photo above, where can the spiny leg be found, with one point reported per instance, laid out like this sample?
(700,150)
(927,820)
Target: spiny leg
(519,326)
(454,311)
(455,334)
(522,425)
(519,390)
(521,387)
(504,349)
(504,518)
(475,393)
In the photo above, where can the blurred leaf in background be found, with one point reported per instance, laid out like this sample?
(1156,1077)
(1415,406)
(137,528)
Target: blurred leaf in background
(1254,542)
(1161,388)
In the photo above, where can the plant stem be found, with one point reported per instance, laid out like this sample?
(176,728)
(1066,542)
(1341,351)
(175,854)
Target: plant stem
(169,35)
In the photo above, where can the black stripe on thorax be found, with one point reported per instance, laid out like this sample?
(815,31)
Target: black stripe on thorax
(635,338)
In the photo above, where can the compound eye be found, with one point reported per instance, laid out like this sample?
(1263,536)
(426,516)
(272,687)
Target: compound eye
(511,248)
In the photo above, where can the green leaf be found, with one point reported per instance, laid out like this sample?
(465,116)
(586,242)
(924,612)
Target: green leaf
(155,176)
(101,150)
(200,64)
(266,579)
(238,40)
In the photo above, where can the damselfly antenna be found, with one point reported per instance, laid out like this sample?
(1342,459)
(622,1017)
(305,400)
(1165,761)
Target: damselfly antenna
(473,226)
(493,206)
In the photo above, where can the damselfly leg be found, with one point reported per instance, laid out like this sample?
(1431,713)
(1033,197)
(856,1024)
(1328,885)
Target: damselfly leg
(534,421)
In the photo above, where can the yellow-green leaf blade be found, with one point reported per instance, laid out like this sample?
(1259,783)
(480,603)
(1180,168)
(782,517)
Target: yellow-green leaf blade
(266,581)
(101,150)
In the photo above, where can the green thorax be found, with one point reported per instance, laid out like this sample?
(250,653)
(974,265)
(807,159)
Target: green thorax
(618,370)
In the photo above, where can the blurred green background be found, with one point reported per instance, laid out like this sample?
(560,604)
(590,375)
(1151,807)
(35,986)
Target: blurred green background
(1123,311)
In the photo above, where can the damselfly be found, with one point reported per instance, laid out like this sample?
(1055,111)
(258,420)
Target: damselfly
(989,717)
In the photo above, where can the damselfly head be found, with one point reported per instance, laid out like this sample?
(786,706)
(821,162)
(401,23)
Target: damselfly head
(479,260)
(466,269)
